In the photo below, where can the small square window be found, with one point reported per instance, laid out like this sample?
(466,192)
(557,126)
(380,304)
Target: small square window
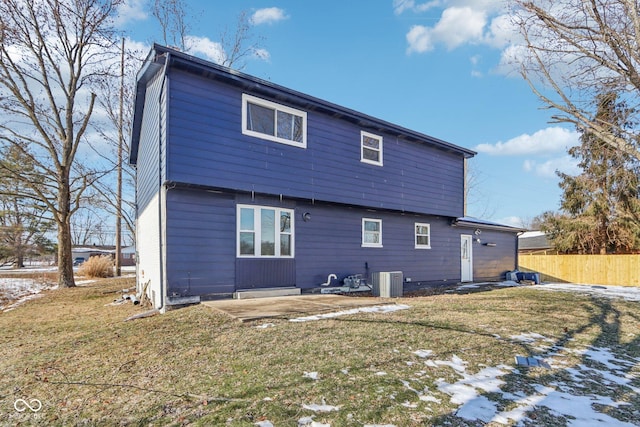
(423,236)
(370,148)
(371,233)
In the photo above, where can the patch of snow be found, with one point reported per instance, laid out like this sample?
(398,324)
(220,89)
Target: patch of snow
(471,286)
(529,338)
(264,424)
(379,425)
(561,399)
(15,291)
(455,363)
(423,353)
(265,326)
(508,284)
(308,422)
(628,293)
(381,374)
(320,407)
(312,375)
(375,309)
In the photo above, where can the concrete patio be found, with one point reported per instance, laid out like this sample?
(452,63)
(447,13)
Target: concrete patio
(291,306)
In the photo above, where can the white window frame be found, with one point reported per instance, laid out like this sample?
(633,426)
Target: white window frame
(362,148)
(416,235)
(276,107)
(257,230)
(368,244)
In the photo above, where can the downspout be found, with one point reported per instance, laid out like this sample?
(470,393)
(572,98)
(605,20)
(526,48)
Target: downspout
(162,195)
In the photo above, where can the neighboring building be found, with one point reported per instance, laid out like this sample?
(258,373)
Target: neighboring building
(127,258)
(245,184)
(535,242)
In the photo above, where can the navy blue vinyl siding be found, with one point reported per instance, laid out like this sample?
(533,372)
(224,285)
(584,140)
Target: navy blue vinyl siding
(492,262)
(149,164)
(206,147)
(331,242)
(201,246)
(200,243)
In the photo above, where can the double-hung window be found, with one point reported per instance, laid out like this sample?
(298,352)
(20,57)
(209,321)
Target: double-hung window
(423,236)
(371,233)
(274,122)
(370,148)
(265,232)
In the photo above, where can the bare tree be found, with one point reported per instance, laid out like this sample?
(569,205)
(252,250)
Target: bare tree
(237,43)
(50,53)
(576,49)
(172,15)
(116,99)
(478,203)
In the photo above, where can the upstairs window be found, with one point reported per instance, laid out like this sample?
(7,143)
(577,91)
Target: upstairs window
(371,148)
(423,236)
(371,233)
(274,122)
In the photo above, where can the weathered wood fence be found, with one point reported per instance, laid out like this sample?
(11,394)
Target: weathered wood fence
(619,270)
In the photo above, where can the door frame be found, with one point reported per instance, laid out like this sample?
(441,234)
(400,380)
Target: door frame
(466,263)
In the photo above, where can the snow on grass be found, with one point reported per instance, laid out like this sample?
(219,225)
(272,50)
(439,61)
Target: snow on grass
(308,422)
(311,375)
(628,293)
(320,407)
(569,398)
(15,291)
(375,309)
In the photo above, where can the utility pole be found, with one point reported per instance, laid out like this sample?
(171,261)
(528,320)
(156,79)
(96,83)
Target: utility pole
(119,168)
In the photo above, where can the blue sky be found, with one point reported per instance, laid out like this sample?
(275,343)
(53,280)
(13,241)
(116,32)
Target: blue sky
(440,67)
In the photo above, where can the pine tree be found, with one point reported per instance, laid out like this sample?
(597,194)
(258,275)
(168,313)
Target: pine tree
(600,206)
(24,221)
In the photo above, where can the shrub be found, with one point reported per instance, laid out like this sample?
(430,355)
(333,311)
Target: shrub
(97,266)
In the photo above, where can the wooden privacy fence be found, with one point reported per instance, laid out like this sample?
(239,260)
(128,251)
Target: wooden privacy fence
(618,270)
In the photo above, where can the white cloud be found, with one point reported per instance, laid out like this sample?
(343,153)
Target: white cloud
(501,32)
(457,26)
(419,39)
(130,11)
(399,6)
(549,140)
(268,15)
(547,169)
(207,48)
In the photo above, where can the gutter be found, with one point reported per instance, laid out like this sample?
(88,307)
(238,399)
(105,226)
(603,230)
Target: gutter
(162,198)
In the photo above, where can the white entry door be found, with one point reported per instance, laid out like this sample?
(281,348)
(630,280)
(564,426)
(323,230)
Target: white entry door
(466,258)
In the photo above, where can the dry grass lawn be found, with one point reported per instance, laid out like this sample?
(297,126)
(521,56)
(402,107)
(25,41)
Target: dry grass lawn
(195,366)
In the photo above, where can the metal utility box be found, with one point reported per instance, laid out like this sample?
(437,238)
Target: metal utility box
(387,284)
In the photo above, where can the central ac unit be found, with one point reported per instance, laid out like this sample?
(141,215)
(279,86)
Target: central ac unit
(387,284)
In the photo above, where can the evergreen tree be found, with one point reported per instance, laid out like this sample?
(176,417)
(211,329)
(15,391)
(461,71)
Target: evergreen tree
(600,206)
(24,221)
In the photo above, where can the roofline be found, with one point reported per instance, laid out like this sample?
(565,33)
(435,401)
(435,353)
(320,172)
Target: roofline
(486,225)
(174,58)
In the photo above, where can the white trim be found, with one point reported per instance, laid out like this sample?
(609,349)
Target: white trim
(362,148)
(257,231)
(372,245)
(466,259)
(276,107)
(422,224)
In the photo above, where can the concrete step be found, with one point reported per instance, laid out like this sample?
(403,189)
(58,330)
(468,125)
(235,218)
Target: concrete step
(265,293)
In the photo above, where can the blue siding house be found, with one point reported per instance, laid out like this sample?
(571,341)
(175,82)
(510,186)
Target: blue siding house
(245,184)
